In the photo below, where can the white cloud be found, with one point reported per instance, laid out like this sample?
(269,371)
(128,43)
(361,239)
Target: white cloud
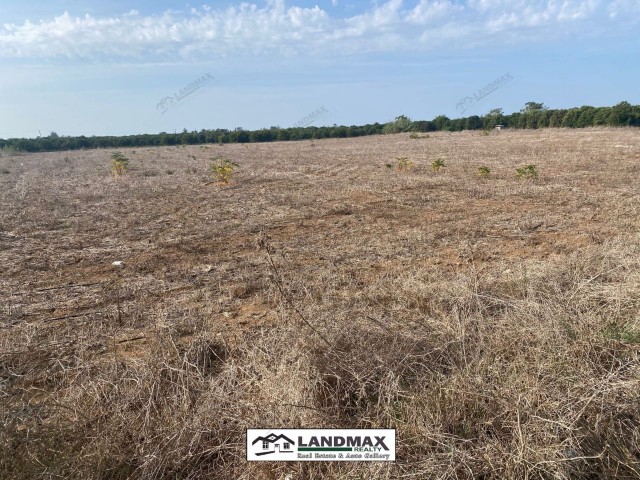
(625,7)
(430,11)
(278,27)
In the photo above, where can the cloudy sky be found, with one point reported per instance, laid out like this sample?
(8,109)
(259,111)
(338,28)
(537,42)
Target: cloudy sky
(123,67)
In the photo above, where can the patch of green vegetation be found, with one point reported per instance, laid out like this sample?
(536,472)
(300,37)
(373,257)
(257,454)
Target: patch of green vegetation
(222,169)
(119,164)
(622,333)
(483,171)
(403,163)
(402,123)
(437,165)
(527,172)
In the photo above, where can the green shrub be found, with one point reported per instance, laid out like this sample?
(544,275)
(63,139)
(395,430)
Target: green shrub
(222,169)
(403,163)
(438,164)
(484,171)
(527,172)
(119,164)
(400,124)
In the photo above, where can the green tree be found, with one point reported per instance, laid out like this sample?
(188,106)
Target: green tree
(531,107)
(442,122)
(402,123)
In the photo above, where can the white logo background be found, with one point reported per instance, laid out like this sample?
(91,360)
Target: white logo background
(321,445)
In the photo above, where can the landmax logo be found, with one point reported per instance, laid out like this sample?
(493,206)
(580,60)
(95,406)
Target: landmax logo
(467,102)
(321,445)
(272,443)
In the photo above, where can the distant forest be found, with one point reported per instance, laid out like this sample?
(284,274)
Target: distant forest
(533,115)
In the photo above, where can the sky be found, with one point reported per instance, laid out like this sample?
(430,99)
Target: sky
(140,66)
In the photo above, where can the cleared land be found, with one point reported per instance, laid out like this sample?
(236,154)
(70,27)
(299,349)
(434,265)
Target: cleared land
(494,322)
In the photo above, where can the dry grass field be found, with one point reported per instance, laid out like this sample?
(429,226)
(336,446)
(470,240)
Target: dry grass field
(494,322)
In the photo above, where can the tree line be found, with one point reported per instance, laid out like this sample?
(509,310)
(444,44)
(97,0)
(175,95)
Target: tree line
(534,115)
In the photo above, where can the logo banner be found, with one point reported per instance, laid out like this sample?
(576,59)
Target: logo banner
(321,445)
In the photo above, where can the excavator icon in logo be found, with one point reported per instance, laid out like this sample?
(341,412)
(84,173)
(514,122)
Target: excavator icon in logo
(273,443)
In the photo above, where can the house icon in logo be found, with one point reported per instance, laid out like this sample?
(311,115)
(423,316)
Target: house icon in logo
(273,443)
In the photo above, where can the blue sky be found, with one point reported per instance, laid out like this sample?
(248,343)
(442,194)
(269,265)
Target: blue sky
(93,68)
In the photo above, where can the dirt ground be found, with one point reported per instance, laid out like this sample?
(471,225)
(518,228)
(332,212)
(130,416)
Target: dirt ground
(329,207)
(309,234)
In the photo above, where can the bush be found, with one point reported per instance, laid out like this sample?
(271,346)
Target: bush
(403,163)
(222,169)
(119,164)
(484,171)
(400,124)
(437,165)
(527,172)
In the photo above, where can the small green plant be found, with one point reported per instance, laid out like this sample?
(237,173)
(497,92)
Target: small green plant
(403,163)
(222,169)
(527,172)
(622,333)
(119,164)
(417,136)
(437,165)
(483,171)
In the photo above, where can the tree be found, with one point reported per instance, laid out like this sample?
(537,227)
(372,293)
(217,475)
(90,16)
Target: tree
(621,115)
(441,122)
(531,107)
(402,123)
(493,118)
(474,123)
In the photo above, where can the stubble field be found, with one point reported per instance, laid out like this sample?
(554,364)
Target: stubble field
(494,322)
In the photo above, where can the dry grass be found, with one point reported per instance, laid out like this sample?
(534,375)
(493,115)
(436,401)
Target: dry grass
(494,322)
